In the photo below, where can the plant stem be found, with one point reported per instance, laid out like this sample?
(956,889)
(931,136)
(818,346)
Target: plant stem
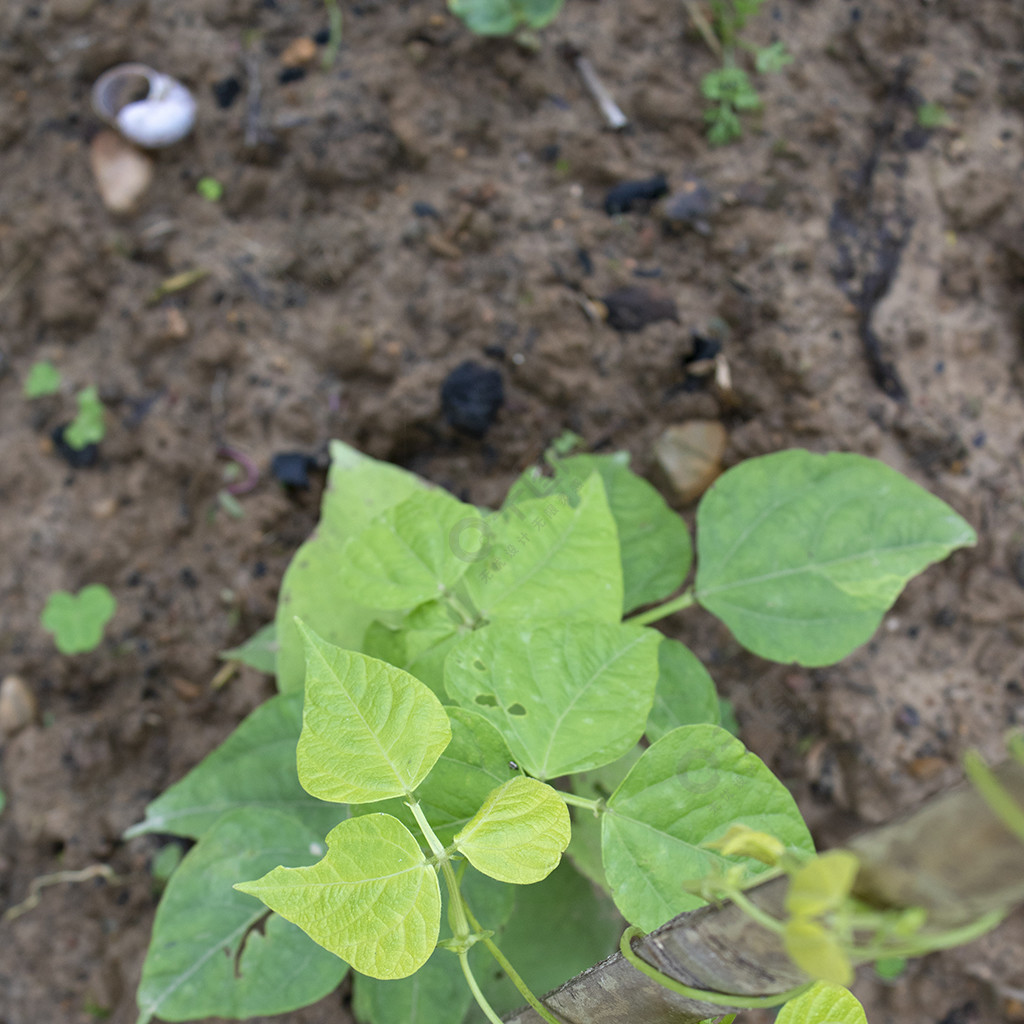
(597,805)
(481,999)
(513,974)
(676,604)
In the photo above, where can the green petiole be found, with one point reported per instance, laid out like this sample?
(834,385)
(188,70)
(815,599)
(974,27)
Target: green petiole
(677,604)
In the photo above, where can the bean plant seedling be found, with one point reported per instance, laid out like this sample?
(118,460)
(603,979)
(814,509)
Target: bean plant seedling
(43,379)
(503,17)
(728,88)
(89,425)
(77,620)
(504,755)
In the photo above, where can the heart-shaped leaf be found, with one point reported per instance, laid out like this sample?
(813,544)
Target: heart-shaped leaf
(373,900)
(519,833)
(369,730)
(77,620)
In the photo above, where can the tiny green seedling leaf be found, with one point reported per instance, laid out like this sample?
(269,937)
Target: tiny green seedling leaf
(932,115)
(89,426)
(519,834)
(823,1003)
(258,652)
(77,620)
(43,379)
(369,730)
(822,884)
(503,17)
(210,189)
(373,900)
(567,696)
(772,58)
(686,790)
(801,555)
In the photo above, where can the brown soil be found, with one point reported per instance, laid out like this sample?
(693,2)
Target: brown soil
(331,308)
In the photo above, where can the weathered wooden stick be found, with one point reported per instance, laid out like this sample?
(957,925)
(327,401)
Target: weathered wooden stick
(953,857)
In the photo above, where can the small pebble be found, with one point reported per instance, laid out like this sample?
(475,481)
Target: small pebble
(292,469)
(299,53)
(226,91)
(633,308)
(122,172)
(287,75)
(471,396)
(688,458)
(17,705)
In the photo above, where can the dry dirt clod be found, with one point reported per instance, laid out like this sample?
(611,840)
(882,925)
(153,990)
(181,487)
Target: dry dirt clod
(17,705)
(122,172)
(688,458)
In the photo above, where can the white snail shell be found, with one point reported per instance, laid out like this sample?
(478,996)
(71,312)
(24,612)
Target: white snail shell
(147,107)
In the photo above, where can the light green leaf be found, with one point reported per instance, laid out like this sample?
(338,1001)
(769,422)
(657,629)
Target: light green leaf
(685,694)
(823,1003)
(358,489)
(43,379)
(258,652)
(77,620)
(89,425)
(801,554)
(406,556)
(816,950)
(373,900)
(688,789)
(655,550)
(503,17)
(585,846)
(822,884)
(519,833)
(254,767)
(436,994)
(559,927)
(420,643)
(369,730)
(209,954)
(566,695)
(544,557)
(472,765)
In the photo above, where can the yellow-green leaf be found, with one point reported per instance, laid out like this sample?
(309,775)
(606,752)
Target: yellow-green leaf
(821,884)
(373,899)
(823,1003)
(817,951)
(369,730)
(519,833)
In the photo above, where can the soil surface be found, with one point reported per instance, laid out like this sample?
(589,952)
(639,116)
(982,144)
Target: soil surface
(435,198)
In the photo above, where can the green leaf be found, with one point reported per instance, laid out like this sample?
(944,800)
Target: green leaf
(567,696)
(801,554)
(77,620)
(89,425)
(43,379)
(823,1003)
(519,833)
(559,927)
(358,489)
(685,694)
(436,994)
(686,790)
(816,950)
(502,17)
(258,652)
(655,550)
(472,765)
(544,557)
(369,730)
(772,58)
(406,556)
(254,767)
(209,954)
(420,644)
(373,900)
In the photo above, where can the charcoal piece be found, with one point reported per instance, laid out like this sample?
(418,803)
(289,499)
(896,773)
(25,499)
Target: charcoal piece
(288,75)
(471,396)
(703,349)
(630,195)
(633,308)
(226,91)
(292,469)
(77,458)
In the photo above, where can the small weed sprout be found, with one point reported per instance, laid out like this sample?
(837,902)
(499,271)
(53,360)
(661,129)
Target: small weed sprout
(503,17)
(89,426)
(77,620)
(728,88)
(43,379)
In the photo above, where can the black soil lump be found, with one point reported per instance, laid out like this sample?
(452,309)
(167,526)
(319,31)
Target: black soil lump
(471,396)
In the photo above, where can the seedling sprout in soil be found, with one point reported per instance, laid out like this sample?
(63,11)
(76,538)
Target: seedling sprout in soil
(77,620)
(43,379)
(467,696)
